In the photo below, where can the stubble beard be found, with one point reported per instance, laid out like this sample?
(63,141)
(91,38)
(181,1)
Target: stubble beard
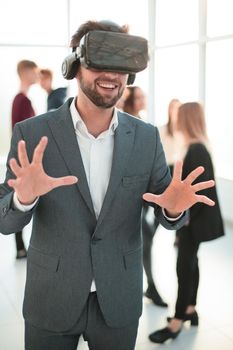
(98,99)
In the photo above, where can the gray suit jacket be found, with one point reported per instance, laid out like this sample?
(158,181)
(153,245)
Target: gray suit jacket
(68,247)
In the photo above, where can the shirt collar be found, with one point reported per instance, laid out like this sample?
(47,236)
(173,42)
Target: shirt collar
(80,125)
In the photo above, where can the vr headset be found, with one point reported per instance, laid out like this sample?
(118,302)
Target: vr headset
(110,52)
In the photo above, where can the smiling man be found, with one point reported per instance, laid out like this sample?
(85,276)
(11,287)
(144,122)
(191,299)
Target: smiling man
(82,173)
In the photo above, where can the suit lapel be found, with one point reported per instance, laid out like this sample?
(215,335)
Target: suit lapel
(123,143)
(64,135)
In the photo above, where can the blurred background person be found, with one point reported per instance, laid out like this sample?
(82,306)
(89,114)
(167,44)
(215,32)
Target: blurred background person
(205,222)
(134,104)
(171,139)
(169,135)
(22,109)
(134,101)
(56,97)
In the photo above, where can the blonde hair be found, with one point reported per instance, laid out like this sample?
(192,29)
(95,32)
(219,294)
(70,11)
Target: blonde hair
(24,65)
(170,124)
(191,121)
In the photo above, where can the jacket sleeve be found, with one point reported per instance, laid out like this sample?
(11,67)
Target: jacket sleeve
(11,220)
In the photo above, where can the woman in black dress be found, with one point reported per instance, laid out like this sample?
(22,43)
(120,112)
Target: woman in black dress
(205,222)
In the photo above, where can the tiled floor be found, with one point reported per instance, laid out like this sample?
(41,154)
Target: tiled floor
(215,303)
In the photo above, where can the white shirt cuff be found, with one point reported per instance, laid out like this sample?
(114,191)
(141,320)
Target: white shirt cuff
(22,207)
(171,219)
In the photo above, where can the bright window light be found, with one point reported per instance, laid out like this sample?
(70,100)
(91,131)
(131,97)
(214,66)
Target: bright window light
(176,21)
(219,113)
(33,23)
(176,76)
(132,12)
(219,17)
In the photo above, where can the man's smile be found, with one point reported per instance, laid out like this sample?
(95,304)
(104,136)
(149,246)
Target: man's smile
(110,86)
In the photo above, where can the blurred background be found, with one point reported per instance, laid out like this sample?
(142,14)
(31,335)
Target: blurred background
(191,55)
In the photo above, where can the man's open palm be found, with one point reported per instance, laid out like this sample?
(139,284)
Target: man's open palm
(180,195)
(31,180)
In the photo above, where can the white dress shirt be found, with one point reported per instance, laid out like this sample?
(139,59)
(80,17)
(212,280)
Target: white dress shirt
(96,155)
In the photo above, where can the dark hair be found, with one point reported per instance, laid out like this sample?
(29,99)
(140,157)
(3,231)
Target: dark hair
(94,25)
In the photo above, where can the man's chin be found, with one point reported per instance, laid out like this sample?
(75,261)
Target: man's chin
(105,104)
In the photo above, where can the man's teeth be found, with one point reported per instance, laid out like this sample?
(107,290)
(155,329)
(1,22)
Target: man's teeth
(107,85)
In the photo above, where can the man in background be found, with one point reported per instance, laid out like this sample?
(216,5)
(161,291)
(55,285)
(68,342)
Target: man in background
(22,109)
(56,97)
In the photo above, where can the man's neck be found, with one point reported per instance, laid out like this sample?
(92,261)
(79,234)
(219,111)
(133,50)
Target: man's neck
(24,87)
(96,119)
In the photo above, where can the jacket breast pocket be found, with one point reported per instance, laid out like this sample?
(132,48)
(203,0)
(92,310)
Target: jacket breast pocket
(131,182)
(42,260)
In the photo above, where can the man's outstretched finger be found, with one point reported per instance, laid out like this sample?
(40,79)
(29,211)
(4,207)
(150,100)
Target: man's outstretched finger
(14,166)
(177,172)
(11,183)
(203,185)
(39,150)
(22,154)
(150,197)
(64,181)
(194,174)
(205,200)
